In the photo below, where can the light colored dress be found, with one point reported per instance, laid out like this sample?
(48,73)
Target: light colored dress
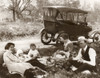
(33,54)
(14,65)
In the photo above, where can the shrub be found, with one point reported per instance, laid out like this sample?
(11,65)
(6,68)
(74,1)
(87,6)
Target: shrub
(18,29)
(5,33)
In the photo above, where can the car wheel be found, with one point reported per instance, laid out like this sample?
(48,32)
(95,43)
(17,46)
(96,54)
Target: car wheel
(45,37)
(96,37)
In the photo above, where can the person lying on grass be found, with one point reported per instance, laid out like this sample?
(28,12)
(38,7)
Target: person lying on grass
(12,62)
(85,60)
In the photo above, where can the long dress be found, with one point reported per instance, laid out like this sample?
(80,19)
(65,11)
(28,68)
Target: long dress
(14,65)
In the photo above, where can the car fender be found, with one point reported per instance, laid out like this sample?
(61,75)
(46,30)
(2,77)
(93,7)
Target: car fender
(92,33)
(42,30)
(60,32)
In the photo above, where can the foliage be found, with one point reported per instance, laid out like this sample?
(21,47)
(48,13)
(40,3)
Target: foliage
(72,3)
(40,4)
(18,29)
(17,7)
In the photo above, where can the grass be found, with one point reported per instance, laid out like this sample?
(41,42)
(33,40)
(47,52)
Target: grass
(14,31)
(60,73)
(11,30)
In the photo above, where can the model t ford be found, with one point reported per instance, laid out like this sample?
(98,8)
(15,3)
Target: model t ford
(61,20)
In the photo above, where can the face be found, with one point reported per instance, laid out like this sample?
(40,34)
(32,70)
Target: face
(82,44)
(12,49)
(33,47)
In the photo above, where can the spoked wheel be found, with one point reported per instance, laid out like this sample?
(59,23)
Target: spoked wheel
(96,37)
(46,37)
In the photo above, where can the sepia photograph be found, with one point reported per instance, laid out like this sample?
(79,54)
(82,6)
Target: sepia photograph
(49,38)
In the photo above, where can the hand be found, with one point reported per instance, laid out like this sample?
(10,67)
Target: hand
(31,55)
(4,65)
(74,59)
(80,60)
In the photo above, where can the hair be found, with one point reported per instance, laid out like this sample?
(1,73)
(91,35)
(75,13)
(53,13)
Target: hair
(29,73)
(65,36)
(8,45)
(32,44)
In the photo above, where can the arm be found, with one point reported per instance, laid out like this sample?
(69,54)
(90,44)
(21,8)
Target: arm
(69,47)
(30,54)
(92,55)
(37,54)
(13,58)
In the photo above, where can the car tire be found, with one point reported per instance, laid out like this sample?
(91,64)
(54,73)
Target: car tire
(96,37)
(44,35)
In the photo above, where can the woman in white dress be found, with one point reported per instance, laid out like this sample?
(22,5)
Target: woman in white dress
(13,63)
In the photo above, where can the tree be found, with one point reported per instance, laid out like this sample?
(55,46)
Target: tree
(40,4)
(72,3)
(17,7)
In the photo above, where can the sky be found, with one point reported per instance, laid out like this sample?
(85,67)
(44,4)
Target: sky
(82,2)
(7,2)
(90,3)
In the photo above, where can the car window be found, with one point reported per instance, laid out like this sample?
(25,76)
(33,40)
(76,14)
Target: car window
(75,17)
(65,16)
(70,16)
(59,17)
(49,14)
(81,17)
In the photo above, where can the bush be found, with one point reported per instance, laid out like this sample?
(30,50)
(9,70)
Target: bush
(5,33)
(18,29)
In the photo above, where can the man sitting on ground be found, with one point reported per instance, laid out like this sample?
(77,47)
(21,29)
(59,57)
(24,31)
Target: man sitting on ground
(86,58)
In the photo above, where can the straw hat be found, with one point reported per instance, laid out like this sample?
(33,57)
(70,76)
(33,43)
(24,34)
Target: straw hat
(82,38)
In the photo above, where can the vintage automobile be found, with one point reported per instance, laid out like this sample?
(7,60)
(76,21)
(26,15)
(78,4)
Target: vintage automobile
(60,20)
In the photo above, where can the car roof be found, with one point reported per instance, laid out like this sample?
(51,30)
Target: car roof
(65,9)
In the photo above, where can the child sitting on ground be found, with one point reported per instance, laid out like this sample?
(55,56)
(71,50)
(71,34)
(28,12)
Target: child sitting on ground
(33,52)
(32,57)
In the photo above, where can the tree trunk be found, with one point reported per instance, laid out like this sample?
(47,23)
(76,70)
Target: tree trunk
(14,15)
